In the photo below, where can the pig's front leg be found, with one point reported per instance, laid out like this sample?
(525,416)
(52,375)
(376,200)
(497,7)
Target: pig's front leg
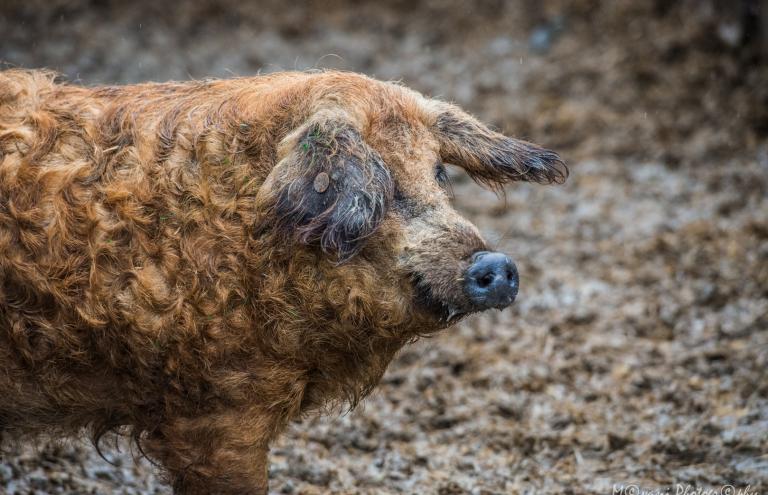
(224,453)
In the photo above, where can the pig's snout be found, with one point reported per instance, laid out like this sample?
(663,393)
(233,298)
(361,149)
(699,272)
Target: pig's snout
(491,281)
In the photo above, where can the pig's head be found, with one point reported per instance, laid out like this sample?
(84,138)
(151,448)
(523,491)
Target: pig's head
(360,194)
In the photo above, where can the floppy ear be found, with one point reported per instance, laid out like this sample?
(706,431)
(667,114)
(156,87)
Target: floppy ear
(492,158)
(328,188)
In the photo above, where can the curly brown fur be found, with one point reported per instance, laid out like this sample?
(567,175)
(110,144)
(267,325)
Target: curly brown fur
(172,268)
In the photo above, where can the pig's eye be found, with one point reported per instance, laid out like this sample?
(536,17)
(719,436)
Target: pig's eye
(441,176)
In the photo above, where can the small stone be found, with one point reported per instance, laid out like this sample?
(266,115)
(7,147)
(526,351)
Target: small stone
(6,473)
(288,488)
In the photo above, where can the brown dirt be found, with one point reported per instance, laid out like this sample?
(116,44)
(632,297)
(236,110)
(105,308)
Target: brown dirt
(638,350)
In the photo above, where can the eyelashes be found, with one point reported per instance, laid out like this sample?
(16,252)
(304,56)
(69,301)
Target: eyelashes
(442,178)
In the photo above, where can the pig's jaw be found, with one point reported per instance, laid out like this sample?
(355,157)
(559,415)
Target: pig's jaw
(443,313)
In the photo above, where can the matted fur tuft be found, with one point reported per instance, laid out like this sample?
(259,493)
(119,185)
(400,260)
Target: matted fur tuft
(339,218)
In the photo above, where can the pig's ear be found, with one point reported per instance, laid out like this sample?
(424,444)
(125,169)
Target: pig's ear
(491,158)
(329,188)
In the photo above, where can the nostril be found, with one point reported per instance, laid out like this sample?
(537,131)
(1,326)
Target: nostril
(485,280)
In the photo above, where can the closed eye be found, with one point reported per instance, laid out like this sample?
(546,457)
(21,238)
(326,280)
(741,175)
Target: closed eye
(441,176)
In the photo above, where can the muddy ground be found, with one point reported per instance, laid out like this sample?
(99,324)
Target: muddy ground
(637,353)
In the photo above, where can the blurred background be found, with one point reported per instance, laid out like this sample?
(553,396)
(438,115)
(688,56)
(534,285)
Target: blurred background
(638,351)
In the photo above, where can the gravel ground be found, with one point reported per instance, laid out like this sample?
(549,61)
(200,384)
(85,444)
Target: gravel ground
(636,355)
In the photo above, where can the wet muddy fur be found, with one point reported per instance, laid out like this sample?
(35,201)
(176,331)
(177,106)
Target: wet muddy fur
(195,264)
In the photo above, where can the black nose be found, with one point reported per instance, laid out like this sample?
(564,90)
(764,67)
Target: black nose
(491,281)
